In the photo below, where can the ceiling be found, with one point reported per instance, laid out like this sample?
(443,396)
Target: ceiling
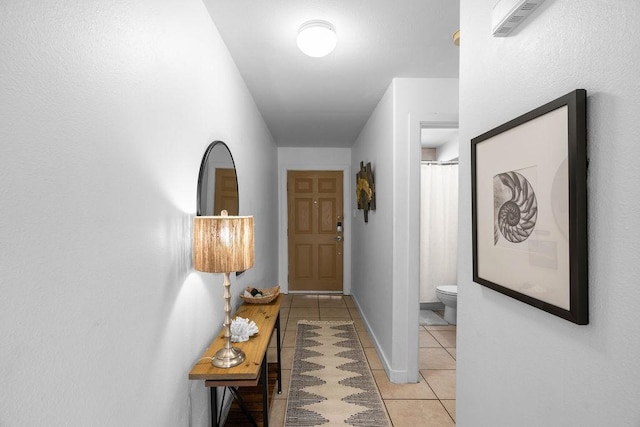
(325,102)
(437,137)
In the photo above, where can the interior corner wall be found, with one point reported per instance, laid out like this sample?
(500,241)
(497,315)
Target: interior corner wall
(449,151)
(371,283)
(518,365)
(385,271)
(106,111)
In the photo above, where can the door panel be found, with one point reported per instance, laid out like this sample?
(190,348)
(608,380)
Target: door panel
(315,246)
(226,192)
(326,185)
(327,216)
(303,210)
(303,261)
(326,261)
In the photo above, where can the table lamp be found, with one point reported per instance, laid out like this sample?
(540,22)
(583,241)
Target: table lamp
(224,244)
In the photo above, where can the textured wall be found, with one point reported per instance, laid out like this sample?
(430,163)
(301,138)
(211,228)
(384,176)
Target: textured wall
(518,365)
(449,151)
(107,108)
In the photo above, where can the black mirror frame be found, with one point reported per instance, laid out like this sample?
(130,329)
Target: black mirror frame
(203,166)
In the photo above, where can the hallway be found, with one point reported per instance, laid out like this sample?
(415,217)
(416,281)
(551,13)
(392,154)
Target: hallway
(430,402)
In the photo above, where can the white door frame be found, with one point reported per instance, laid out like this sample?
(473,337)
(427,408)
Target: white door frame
(284,219)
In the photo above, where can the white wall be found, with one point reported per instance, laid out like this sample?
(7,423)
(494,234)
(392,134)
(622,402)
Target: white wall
(107,108)
(386,251)
(518,365)
(314,159)
(371,284)
(449,151)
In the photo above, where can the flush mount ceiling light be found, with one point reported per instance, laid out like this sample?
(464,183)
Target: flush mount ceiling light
(317,38)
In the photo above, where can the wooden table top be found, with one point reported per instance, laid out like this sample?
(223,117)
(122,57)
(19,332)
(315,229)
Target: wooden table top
(264,315)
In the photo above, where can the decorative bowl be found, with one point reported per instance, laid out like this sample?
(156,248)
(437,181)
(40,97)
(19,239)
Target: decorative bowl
(268,295)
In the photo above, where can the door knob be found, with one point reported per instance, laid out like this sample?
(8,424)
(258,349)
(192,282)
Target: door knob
(339,238)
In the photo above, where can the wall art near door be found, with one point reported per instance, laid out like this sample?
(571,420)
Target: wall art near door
(529,208)
(365,190)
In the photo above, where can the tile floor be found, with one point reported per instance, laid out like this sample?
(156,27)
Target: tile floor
(431,402)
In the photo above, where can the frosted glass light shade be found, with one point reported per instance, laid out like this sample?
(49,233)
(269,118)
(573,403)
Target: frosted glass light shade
(223,244)
(317,38)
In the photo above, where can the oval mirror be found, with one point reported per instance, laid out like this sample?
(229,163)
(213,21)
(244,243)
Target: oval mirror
(217,182)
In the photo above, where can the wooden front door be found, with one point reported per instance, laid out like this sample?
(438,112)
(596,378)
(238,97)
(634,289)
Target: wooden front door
(314,200)
(226,192)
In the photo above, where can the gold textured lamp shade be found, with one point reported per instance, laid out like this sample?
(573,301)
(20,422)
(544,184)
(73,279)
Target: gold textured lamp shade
(224,244)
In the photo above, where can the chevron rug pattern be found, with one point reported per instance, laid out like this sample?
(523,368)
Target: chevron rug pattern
(331,383)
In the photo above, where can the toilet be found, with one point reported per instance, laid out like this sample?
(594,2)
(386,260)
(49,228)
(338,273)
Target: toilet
(448,295)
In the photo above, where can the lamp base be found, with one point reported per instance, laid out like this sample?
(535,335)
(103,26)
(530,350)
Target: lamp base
(228,357)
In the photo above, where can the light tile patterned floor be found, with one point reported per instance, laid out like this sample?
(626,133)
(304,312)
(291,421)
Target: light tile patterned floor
(431,402)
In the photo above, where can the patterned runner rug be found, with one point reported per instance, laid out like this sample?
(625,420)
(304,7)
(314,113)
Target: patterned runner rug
(331,383)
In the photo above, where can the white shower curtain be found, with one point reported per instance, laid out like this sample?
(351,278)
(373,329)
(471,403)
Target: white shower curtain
(438,228)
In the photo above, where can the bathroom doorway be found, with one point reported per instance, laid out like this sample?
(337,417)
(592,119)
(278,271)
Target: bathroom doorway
(438,216)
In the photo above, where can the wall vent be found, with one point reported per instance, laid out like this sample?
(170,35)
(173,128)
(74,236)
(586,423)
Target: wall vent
(508,14)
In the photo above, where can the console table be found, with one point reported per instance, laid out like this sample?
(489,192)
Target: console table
(249,372)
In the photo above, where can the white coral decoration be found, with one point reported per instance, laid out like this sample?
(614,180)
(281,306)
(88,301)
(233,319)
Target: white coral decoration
(242,329)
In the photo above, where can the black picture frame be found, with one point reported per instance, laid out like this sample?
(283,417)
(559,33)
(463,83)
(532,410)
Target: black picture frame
(529,208)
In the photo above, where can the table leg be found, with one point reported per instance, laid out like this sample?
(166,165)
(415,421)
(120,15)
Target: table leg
(265,391)
(279,359)
(214,406)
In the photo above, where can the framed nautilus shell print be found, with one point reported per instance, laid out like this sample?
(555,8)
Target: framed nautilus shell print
(529,208)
